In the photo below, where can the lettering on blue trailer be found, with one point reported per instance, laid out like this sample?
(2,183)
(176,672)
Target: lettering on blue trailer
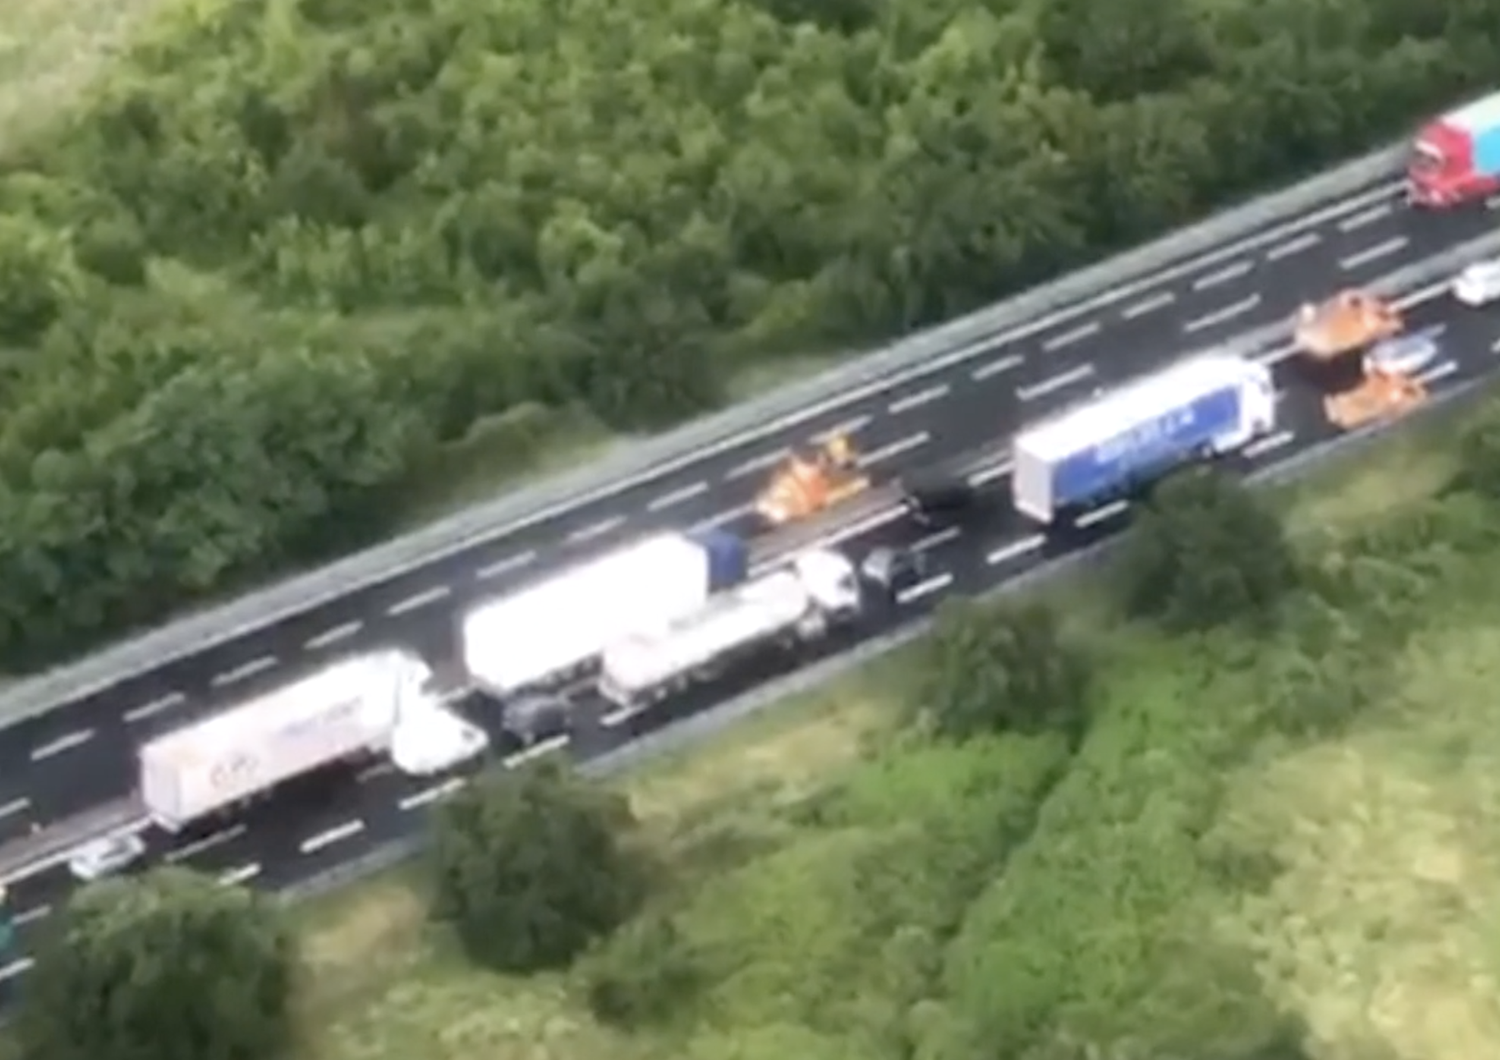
(1146,435)
(1149,449)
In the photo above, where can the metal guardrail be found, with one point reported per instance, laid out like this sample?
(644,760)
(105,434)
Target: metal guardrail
(494,519)
(691,730)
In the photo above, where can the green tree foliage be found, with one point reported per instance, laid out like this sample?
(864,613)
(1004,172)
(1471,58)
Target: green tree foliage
(1203,551)
(996,668)
(171,966)
(532,865)
(292,253)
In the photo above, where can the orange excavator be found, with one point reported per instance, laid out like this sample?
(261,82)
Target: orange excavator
(1347,322)
(811,482)
(1392,382)
(1353,344)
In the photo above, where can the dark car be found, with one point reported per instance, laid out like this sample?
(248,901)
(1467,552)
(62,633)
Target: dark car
(893,569)
(941,500)
(532,719)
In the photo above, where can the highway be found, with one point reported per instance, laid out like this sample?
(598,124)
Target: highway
(76,757)
(302,832)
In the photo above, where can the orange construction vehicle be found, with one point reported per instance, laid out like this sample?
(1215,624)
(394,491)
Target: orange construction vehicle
(1347,322)
(808,483)
(1352,347)
(1391,382)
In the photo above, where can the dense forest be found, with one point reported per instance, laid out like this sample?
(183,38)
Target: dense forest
(1128,820)
(290,249)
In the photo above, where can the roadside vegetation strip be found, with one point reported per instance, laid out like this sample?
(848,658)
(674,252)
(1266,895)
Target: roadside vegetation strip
(745,819)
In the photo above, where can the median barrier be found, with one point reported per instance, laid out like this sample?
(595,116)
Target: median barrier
(629,462)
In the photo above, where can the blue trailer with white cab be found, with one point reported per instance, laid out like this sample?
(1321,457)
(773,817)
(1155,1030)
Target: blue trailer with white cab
(1197,409)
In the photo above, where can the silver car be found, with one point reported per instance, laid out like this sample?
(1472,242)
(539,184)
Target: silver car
(105,857)
(1402,357)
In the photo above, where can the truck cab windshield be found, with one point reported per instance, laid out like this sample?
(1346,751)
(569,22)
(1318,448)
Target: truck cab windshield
(1426,159)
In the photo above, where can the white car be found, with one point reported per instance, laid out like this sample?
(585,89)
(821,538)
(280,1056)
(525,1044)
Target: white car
(1479,284)
(105,857)
(1402,357)
(436,742)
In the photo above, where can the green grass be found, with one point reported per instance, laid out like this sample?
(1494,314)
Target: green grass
(1349,491)
(1382,925)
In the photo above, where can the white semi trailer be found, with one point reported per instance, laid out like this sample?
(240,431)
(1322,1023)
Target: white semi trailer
(346,711)
(556,628)
(789,606)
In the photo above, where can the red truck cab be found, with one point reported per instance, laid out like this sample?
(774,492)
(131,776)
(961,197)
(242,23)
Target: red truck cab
(1456,158)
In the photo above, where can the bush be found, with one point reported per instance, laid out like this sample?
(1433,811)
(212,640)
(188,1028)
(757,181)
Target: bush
(531,866)
(988,668)
(172,966)
(645,975)
(1204,551)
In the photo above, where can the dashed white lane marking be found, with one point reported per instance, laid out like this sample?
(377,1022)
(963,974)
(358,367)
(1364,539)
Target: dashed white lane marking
(422,599)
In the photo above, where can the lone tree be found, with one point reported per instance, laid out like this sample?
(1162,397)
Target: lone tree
(532,865)
(170,966)
(1205,551)
(989,668)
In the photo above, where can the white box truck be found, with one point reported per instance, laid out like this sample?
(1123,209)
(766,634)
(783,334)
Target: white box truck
(1198,408)
(344,711)
(556,628)
(792,605)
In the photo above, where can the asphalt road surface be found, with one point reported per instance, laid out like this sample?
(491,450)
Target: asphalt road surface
(62,763)
(331,819)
